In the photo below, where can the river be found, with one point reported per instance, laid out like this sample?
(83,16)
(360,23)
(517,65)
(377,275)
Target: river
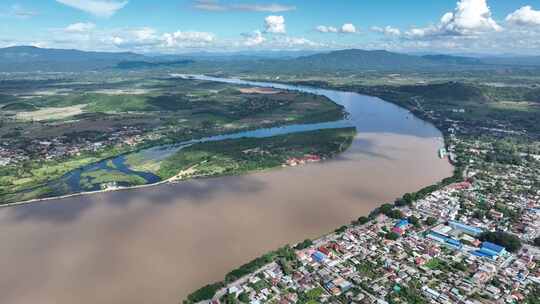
(156,244)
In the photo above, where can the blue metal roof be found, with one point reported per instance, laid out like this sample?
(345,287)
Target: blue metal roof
(467,228)
(402,223)
(318,256)
(449,241)
(492,247)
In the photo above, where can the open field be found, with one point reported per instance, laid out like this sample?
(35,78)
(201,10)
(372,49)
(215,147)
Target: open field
(44,114)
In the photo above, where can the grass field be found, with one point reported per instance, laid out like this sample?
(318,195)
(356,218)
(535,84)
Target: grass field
(100,177)
(51,113)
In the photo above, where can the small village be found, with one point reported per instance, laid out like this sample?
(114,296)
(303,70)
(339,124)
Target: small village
(14,152)
(430,252)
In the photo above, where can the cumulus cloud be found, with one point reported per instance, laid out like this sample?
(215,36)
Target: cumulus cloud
(387,30)
(347,28)
(469,17)
(80,27)
(254,38)
(99,8)
(275,24)
(524,16)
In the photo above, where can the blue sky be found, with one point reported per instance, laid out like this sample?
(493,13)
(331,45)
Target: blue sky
(177,26)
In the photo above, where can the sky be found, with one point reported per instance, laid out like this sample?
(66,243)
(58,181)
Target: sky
(180,26)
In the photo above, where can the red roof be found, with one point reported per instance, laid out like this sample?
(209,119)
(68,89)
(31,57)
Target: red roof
(324,250)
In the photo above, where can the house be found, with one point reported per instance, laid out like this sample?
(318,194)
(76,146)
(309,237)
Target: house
(318,256)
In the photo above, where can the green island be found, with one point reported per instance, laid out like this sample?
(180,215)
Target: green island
(239,156)
(61,125)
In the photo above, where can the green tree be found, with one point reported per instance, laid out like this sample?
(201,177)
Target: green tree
(537,242)
(362,220)
(430,221)
(392,236)
(507,240)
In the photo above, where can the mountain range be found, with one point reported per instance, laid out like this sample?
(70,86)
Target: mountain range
(29,58)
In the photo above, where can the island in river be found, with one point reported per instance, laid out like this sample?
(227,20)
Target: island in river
(85,135)
(158,244)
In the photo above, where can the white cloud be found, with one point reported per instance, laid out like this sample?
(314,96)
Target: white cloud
(524,16)
(287,42)
(254,38)
(326,29)
(99,8)
(469,17)
(188,39)
(387,30)
(348,28)
(275,24)
(80,27)
(215,5)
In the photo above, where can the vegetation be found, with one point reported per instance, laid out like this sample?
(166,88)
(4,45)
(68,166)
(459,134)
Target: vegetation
(204,293)
(231,157)
(159,111)
(89,180)
(509,241)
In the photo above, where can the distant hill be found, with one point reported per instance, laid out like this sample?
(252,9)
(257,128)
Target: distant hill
(29,58)
(449,59)
(126,65)
(532,61)
(354,59)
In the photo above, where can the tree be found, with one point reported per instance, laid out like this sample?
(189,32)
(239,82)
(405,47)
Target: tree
(243,297)
(386,208)
(305,244)
(395,214)
(414,221)
(392,236)
(430,221)
(509,241)
(362,220)
(537,242)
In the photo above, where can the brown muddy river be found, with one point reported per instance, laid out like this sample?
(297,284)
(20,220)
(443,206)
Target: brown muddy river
(157,244)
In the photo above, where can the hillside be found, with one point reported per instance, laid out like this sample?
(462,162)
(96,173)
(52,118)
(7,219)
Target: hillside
(362,60)
(29,58)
